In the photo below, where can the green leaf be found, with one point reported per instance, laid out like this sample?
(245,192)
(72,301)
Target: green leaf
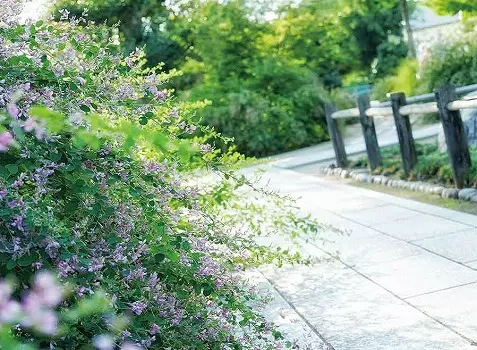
(85,108)
(159,257)
(26,260)
(12,168)
(55,122)
(143,120)
(11,264)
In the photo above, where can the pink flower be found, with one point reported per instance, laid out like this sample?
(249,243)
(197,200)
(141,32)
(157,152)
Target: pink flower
(10,311)
(154,329)
(32,125)
(48,322)
(6,139)
(29,125)
(13,110)
(48,289)
(103,342)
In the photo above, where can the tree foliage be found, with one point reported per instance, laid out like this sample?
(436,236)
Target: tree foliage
(263,77)
(453,6)
(141,24)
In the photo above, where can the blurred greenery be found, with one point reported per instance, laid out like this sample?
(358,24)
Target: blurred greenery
(403,79)
(451,63)
(453,6)
(267,77)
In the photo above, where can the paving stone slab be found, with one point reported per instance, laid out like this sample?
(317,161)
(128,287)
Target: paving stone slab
(385,213)
(420,227)
(287,320)
(456,307)
(459,246)
(471,264)
(347,204)
(419,274)
(353,313)
(357,250)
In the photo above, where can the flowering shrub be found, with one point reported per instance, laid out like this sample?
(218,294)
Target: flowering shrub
(98,181)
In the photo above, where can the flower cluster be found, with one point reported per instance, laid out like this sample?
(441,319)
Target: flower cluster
(35,309)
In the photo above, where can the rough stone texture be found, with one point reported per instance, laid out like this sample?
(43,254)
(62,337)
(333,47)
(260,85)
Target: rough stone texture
(469,117)
(450,193)
(467,193)
(473,199)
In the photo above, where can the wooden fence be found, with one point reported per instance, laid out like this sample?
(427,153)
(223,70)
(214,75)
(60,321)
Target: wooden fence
(444,101)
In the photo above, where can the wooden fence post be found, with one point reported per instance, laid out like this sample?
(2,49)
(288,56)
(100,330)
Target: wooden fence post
(336,139)
(455,135)
(369,132)
(404,132)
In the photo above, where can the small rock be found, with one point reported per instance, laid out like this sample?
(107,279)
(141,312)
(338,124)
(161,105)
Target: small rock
(467,193)
(473,199)
(413,186)
(362,178)
(438,189)
(450,193)
(361,171)
(344,174)
(401,184)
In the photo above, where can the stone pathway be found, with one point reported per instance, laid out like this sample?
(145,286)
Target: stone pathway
(403,276)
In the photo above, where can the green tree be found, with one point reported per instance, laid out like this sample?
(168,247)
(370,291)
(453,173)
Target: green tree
(141,23)
(453,6)
(313,35)
(375,26)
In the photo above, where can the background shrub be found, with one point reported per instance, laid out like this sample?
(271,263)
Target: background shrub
(451,63)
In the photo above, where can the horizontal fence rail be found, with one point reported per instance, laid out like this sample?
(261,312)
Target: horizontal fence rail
(421,108)
(444,101)
(346,113)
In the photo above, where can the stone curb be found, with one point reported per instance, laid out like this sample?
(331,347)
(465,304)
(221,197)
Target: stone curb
(362,175)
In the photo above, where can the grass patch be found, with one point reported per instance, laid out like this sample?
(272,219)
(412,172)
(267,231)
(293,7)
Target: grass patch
(466,207)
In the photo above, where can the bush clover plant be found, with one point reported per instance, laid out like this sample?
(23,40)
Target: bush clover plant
(99,169)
